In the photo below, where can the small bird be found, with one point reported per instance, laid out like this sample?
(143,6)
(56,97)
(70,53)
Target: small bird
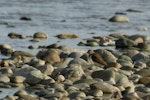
(96,57)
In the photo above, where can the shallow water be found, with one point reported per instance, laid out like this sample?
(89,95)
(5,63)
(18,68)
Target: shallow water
(5,92)
(69,16)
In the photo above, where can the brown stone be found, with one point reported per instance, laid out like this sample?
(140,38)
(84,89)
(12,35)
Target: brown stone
(51,56)
(4,63)
(136,38)
(18,79)
(145,80)
(5,46)
(64,36)
(97,58)
(40,35)
(115,65)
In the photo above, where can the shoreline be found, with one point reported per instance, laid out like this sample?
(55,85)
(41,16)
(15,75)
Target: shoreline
(63,73)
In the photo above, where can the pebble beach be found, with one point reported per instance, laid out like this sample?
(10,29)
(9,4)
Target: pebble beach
(77,60)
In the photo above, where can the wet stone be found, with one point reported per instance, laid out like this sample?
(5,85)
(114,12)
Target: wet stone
(79,61)
(4,78)
(96,93)
(4,63)
(65,36)
(22,53)
(75,55)
(137,38)
(51,56)
(9,97)
(143,72)
(31,47)
(28,97)
(107,55)
(134,10)
(104,74)
(21,92)
(93,44)
(117,35)
(46,69)
(5,46)
(45,92)
(125,57)
(40,35)
(115,65)
(143,89)
(82,86)
(125,63)
(144,80)
(18,79)
(125,43)
(60,78)
(6,49)
(87,81)
(74,71)
(105,87)
(139,56)
(77,94)
(54,96)
(139,64)
(57,87)
(32,75)
(35,62)
(131,53)
(13,35)
(25,18)
(35,40)
(119,18)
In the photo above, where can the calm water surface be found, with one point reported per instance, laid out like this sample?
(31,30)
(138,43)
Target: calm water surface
(69,16)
